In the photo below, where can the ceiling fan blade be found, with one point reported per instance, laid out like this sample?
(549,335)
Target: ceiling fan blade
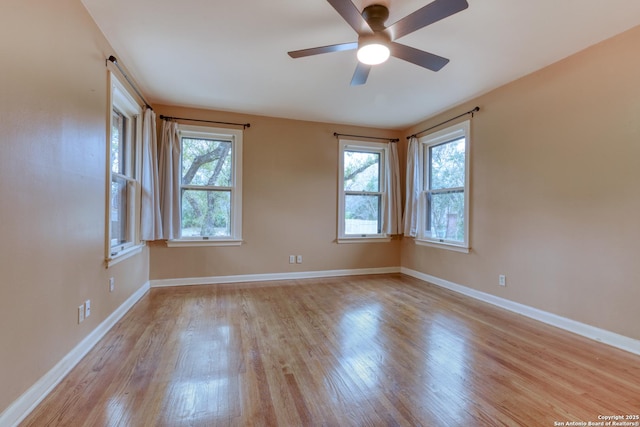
(418,57)
(351,14)
(433,12)
(361,74)
(323,49)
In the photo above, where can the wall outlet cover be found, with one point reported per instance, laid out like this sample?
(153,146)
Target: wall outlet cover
(502,280)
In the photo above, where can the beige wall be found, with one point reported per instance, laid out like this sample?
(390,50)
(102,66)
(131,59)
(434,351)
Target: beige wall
(555,200)
(290,179)
(53,85)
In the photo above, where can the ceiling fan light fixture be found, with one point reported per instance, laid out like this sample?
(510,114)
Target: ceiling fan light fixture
(373,54)
(373,50)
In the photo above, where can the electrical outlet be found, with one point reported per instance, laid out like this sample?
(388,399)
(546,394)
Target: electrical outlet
(112,284)
(81,313)
(299,259)
(502,280)
(292,259)
(87,308)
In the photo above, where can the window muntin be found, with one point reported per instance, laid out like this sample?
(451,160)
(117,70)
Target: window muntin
(444,197)
(362,189)
(124,187)
(210,183)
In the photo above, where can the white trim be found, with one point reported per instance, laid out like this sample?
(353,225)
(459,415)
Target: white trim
(601,335)
(124,254)
(373,239)
(21,407)
(213,280)
(442,245)
(180,243)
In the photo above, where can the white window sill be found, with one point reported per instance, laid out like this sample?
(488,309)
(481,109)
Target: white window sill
(124,254)
(376,239)
(178,243)
(443,245)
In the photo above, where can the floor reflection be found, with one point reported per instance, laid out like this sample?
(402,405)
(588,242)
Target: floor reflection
(200,391)
(200,400)
(360,348)
(117,413)
(448,363)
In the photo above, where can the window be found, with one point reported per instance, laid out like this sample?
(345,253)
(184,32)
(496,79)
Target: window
(362,191)
(444,204)
(211,185)
(124,187)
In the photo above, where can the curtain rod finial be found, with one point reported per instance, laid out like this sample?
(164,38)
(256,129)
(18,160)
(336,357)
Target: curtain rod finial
(113,59)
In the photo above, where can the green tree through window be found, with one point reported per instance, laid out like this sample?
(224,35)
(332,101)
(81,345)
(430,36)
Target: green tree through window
(444,203)
(446,216)
(206,187)
(362,185)
(361,190)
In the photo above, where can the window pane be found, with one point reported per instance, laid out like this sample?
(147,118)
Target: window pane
(206,213)
(206,162)
(119,198)
(362,214)
(445,218)
(447,165)
(118,142)
(361,171)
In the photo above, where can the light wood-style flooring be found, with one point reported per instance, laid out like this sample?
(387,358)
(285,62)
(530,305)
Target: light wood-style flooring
(385,350)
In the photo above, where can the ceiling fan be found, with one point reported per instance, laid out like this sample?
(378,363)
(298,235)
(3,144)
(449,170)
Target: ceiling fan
(376,42)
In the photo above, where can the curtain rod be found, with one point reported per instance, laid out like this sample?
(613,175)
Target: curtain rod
(133,86)
(244,125)
(336,134)
(446,121)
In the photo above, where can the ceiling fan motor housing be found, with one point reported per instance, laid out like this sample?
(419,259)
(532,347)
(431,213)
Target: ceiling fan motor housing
(376,15)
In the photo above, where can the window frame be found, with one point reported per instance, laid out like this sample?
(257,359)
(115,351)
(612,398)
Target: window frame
(235,137)
(446,135)
(124,103)
(371,147)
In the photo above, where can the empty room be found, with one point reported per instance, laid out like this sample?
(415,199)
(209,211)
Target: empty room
(319,213)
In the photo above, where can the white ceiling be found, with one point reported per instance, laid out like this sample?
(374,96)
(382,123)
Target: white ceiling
(232,54)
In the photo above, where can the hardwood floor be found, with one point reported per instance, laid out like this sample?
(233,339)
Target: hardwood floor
(354,351)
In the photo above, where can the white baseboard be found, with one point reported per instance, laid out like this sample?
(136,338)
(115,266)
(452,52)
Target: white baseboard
(213,280)
(601,335)
(19,409)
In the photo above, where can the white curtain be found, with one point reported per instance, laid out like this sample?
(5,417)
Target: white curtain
(393,218)
(170,180)
(151,223)
(413,188)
